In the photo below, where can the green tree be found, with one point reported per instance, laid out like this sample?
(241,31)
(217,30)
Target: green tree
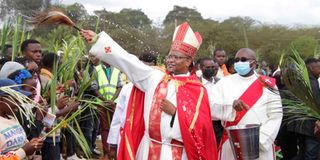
(77,12)
(305,45)
(130,28)
(135,18)
(181,14)
(28,8)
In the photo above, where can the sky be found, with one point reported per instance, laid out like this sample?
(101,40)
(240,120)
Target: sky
(285,12)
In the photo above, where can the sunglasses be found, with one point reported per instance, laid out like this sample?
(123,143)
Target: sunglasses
(242,59)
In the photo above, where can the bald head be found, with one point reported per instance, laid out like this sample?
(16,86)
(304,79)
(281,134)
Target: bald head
(246,52)
(245,62)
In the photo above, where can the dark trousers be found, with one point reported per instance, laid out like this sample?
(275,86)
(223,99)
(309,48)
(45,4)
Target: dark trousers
(218,131)
(309,148)
(50,151)
(68,142)
(288,142)
(105,120)
(89,124)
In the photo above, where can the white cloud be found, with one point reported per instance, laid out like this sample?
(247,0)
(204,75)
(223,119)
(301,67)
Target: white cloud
(287,12)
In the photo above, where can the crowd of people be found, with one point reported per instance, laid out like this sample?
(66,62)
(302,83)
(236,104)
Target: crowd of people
(144,110)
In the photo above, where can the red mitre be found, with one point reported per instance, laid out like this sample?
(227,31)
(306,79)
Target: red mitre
(185,40)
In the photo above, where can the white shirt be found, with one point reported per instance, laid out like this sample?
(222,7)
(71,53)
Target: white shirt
(12,137)
(119,115)
(220,73)
(199,73)
(208,84)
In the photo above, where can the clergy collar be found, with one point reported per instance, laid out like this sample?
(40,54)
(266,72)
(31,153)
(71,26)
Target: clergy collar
(181,75)
(255,74)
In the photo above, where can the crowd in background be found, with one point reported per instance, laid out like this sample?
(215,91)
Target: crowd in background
(33,72)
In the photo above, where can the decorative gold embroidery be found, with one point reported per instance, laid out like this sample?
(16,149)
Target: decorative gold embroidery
(166,78)
(132,112)
(195,117)
(182,83)
(129,148)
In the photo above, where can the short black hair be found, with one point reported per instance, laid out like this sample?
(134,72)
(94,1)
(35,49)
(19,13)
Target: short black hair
(198,61)
(148,57)
(230,62)
(49,59)
(25,44)
(217,50)
(205,59)
(309,61)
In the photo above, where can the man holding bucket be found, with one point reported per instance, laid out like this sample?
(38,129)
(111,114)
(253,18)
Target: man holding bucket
(247,98)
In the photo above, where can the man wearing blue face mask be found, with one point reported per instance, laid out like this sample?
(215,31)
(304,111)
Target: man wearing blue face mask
(247,98)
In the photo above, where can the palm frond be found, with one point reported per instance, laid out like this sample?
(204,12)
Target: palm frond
(23,33)
(78,134)
(295,109)
(4,36)
(21,101)
(73,51)
(15,40)
(281,59)
(53,87)
(296,78)
(97,24)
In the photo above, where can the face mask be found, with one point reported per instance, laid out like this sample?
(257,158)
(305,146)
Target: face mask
(243,68)
(208,72)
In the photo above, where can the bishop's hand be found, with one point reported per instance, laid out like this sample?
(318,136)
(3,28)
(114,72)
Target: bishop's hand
(167,107)
(239,105)
(89,35)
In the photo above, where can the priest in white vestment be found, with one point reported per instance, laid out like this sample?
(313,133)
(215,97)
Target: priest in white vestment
(258,99)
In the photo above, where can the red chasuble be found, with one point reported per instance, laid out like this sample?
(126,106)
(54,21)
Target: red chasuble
(133,130)
(193,111)
(195,121)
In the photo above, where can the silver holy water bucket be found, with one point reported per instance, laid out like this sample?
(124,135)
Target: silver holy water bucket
(244,141)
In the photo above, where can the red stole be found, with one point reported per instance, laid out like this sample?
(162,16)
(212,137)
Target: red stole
(133,130)
(249,97)
(193,112)
(195,121)
(194,116)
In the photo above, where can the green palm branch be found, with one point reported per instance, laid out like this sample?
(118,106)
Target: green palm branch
(77,133)
(21,101)
(4,35)
(15,40)
(296,78)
